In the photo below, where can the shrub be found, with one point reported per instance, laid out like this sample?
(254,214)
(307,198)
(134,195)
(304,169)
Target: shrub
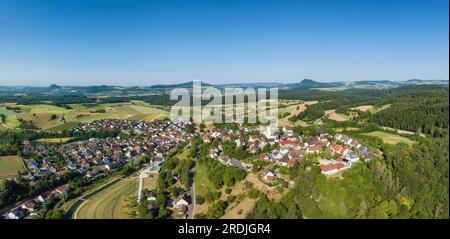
(200,200)
(212,196)
(254,193)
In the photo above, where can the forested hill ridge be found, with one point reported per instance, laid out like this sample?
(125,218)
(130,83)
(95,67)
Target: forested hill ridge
(418,109)
(421,109)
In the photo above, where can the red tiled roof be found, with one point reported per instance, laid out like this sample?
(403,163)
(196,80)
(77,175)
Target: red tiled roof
(285,142)
(295,153)
(183,208)
(330,167)
(314,148)
(262,157)
(63,188)
(207,137)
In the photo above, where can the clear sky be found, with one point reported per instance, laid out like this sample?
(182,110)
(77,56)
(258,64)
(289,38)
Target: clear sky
(92,42)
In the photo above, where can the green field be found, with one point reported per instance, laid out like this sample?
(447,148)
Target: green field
(112,203)
(11,119)
(50,117)
(55,140)
(389,138)
(65,126)
(202,183)
(202,186)
(376,109)
(42,108)
(10,165)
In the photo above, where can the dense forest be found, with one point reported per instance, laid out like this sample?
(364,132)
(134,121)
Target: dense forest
(430,104)
(59,100)
(419,109)
(419,177)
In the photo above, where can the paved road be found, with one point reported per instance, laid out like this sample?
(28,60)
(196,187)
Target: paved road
(191,208)
(73,209)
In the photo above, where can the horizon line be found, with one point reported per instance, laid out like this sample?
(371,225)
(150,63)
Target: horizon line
(219,84)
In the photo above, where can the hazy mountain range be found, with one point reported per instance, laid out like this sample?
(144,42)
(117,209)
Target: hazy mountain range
(162,88)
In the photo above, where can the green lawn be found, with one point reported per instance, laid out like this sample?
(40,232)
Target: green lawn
(10,165)
(389,138)
(202,183)
(112,203)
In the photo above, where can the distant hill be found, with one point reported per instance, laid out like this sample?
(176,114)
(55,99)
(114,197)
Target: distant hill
(309,84)
(305,84)
(252,85)
(426,82)
(382,84)
(188,84)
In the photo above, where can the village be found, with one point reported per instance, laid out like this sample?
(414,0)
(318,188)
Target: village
(286,149)
(270,148)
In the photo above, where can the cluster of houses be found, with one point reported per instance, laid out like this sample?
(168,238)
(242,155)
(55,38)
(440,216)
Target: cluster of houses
(93,156)
(227,135)
(180,205)
(31,207)
(348,152)
(135,126)
(287,149)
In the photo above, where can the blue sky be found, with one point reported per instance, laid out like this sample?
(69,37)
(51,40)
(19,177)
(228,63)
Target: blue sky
(133,42)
